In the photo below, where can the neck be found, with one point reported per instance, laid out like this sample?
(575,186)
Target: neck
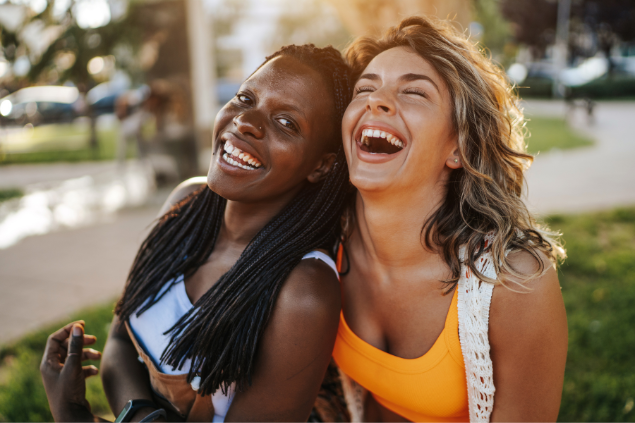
(389,224)
(243,220)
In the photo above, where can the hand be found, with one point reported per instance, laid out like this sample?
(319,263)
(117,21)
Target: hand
(63,375)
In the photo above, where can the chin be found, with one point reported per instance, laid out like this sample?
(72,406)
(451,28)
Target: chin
(368,182)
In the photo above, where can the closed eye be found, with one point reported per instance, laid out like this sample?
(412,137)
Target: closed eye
(416,91)
(365,88)
(288,123)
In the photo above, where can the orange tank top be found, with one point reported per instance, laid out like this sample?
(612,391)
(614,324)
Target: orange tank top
(430,388)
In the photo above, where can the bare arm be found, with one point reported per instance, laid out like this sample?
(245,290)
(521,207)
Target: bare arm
(295,349)
(123,376)
(528,337)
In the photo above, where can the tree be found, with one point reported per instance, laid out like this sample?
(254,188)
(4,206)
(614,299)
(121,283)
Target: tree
(596,25)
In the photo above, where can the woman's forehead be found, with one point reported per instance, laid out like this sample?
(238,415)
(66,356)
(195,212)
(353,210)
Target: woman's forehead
(289,80)
(400,60)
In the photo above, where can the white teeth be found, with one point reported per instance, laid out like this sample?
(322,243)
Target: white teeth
(241,155)
(375,133)
(236,152)
(231,161)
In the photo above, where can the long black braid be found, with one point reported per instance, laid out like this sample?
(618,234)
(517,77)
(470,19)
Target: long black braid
(220,334)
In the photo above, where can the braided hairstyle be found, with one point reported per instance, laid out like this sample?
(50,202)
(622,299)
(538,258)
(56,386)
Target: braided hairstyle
(221,332)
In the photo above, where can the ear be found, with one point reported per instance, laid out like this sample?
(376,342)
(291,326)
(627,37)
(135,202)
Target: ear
(323,168)
(454,160)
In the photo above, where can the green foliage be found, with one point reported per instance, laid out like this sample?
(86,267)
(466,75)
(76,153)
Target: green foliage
(22,396)
(548,133)
(7,194)
(598,286)
(497,34)
(616,86)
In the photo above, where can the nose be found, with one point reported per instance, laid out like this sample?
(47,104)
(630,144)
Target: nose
(380,102)
(249,124)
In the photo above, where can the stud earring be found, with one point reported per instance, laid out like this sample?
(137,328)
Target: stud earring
(456,160)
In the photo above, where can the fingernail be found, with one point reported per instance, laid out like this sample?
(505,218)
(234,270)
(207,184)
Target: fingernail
(77,331)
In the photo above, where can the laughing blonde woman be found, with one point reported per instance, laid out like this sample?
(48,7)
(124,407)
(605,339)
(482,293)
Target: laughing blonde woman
(452,309)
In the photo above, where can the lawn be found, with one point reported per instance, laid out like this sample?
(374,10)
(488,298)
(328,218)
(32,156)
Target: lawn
(68,142)
(549,133)
(9,193)
(598,285)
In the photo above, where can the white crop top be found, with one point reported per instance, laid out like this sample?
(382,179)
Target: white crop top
(149,329)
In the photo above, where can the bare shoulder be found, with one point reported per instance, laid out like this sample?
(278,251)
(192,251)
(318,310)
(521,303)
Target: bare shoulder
(529,312)
(528,339)
(182,190)
(312,290)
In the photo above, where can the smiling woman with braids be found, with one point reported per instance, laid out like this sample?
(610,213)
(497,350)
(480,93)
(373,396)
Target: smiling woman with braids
(231,307)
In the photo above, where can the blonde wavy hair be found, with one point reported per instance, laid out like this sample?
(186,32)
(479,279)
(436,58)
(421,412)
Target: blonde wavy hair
(484,197)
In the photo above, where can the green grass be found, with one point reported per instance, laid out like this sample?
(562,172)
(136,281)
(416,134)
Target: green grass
(58,143)
(598,285)
(549,133)
(9,193)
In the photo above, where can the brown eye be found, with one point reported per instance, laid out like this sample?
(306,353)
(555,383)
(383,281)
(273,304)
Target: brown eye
(244,99)
(287,123)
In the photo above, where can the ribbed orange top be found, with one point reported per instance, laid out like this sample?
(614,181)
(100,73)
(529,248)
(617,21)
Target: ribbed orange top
(430,388)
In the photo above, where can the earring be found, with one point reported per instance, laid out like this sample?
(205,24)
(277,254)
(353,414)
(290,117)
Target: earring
(456,160)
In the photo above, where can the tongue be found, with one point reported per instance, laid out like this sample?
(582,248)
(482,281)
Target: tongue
(379,146)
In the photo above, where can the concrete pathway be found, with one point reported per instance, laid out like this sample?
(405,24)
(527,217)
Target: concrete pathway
(22,175)
(45,279)
(586,179)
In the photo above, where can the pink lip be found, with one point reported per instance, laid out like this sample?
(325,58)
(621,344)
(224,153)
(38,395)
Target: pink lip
(382,127)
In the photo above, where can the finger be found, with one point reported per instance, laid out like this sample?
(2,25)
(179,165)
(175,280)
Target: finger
(54,354)
(75,349)
(90,371)
(88,340)
(91,354)
(62,334)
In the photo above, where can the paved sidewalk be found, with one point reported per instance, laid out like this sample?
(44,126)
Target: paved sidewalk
(586,179)
(44,279)
(22,175)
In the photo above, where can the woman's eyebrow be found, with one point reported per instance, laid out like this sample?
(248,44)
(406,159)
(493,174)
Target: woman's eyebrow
(371,76)
(415,77)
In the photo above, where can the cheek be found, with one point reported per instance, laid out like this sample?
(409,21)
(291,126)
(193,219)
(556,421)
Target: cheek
(223,118)
(350,119)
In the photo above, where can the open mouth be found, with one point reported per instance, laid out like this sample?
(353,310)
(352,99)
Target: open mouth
(375,141)
(236,157)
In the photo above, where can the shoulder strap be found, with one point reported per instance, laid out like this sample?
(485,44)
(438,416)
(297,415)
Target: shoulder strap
(474,298)
(319,255)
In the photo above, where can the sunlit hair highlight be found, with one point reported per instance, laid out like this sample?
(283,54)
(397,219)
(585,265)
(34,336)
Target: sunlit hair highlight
(485,196)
